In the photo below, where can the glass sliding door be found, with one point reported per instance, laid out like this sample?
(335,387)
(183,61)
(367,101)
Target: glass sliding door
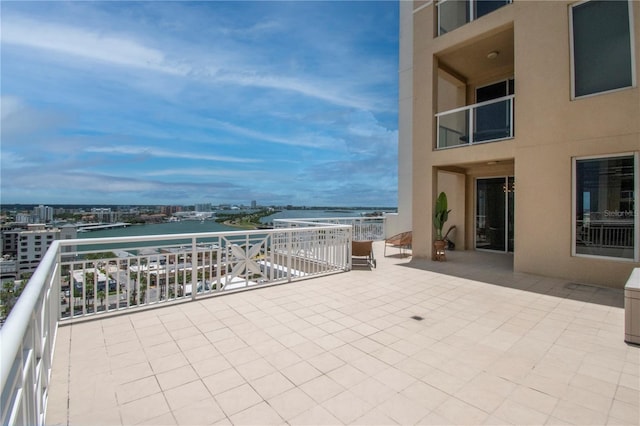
(495,204)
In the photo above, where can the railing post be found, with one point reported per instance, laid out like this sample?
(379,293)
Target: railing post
(289,254)
(511,117)
(471,125)
(194,268)
(58,285)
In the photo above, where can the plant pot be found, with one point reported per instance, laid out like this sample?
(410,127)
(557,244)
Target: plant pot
(439,250)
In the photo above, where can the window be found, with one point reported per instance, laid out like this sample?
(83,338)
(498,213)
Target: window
(605,207)
(601,46)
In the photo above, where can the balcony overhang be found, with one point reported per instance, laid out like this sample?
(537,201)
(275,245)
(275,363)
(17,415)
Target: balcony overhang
(472,61)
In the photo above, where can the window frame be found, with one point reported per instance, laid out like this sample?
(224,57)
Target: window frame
(636,222)
(632,50)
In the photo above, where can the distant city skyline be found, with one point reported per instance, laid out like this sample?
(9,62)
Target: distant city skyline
(160,103)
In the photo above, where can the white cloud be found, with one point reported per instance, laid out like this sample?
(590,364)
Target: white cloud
(87,44)
(163,153)
(125,51)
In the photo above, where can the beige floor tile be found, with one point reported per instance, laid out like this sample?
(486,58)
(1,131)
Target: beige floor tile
(326,362)
(223,381)
(347,375)
(628,395)
(347,407)
(403,410)
(283,359)
(261,414)
(534,399)
(174,378)
(132,373)
(444,381)
(167,363)
(187,394)
(578,415)
(322,388)
(271,385)
(480,397)
(434,419)
(99,417)
(629,413)
(142,409)
(459,412)
(166,419)
(255,369)
(137,389)
(425,394)
(242,356)
(237,399)
(300,373)
(291,403)
(588,399)
(203,412)
(163,349)
(210,366)
(315,416)
(546,385)
(225,346)
(395,378)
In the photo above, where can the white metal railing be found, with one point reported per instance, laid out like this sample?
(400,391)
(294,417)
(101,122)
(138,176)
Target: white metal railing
(91,281)
(364,228)
(490,121)
(453,14)
(605,234)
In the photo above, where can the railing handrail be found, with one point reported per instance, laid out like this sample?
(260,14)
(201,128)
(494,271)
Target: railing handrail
(363,226)
(478,105)
(14,328)
(169,237)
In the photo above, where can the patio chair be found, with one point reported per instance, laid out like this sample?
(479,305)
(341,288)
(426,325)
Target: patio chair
(402,241)
(362,253)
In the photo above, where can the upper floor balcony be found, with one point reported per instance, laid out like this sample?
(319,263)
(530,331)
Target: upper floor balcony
(475,91)
(453,14)
(487,121)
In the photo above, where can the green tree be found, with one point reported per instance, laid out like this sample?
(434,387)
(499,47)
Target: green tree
(101,296)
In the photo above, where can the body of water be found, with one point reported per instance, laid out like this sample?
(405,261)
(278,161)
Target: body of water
(196,226)
(301,214)
(183,227)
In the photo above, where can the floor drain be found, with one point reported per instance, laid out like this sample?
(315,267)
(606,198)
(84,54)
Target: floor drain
(417,318)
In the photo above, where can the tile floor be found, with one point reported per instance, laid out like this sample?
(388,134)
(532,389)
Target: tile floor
(489,346)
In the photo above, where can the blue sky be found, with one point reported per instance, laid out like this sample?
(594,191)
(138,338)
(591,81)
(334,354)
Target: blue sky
(190,102)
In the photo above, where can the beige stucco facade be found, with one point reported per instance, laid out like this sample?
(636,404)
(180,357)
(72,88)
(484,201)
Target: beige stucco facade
(550,130)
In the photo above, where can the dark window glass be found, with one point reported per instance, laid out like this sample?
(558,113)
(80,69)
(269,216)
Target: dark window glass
(601,47)
(605,207)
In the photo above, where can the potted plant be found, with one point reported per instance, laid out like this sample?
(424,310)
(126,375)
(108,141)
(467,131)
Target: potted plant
(440,216)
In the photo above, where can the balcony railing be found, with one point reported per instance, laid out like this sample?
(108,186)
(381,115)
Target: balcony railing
(88,278)
(453,14)
(609,238)
(364,228)
(490,121)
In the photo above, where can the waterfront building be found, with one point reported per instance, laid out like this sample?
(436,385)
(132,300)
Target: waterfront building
(42,214)
(105,215)
(169,210)
(32,245)
(204,207)
(528,119)
(23,217)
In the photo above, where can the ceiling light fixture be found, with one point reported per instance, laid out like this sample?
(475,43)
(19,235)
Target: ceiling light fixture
(493,54)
